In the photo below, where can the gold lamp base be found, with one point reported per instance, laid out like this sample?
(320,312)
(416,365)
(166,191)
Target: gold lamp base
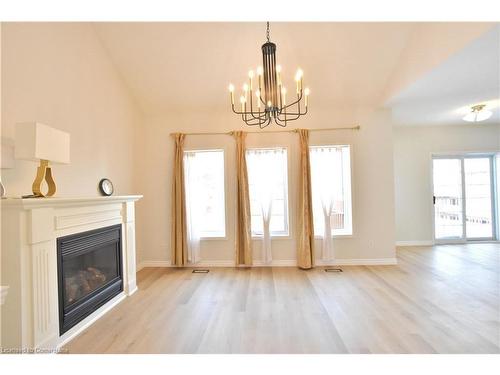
(44,172)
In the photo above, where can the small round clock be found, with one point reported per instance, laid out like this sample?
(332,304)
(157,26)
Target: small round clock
(106,187)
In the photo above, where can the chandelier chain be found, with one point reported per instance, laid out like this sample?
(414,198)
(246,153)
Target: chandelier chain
(267,33)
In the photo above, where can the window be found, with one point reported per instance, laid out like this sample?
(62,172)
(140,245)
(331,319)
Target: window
(267,182)
(204,182)
(331,189)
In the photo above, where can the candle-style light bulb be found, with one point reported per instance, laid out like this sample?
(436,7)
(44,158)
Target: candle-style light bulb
(298,79)
(307,92)
(231,90)
(283,95)
(299,74)
(257,94)
(259,76)
(250,77)
(245,89)
(278,74)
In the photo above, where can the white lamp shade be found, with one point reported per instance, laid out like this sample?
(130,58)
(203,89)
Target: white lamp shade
(35,141)
(7,161)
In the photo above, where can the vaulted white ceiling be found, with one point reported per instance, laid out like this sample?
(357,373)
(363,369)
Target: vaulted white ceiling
(188,66)
(177,66)
(446,93)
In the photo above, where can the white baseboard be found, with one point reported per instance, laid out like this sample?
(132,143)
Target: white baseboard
(256,263)
(357,262)
(276,263)
(214,263)
(415,243)
(219,263)
(202,263)
(153,263)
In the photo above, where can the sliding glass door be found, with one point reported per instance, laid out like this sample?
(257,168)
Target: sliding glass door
(463,198)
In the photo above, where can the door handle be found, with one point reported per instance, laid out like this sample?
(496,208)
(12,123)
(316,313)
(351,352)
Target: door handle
(434,199)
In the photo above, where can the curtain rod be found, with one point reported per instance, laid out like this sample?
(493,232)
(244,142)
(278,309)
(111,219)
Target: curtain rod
(274,131)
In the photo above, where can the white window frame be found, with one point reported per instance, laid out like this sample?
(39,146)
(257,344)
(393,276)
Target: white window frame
(348,190)
(223,150)
(286,234)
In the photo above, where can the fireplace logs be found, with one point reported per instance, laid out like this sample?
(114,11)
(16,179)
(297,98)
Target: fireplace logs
(82,282)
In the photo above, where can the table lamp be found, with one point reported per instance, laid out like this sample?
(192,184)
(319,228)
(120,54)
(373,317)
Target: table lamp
(7,158)
(39,142)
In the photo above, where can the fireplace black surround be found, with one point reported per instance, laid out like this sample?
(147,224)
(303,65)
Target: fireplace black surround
(89,266)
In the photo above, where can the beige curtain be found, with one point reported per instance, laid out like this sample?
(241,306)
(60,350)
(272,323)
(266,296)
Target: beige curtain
(305,241)
(243,230)
(179,223)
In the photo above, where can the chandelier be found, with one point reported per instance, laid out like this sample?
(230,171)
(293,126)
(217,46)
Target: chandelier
(270,95)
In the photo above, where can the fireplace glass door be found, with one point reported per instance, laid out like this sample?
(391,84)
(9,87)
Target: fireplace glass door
(87,272)
(90,273)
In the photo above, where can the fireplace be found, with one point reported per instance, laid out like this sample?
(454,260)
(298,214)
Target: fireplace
(89,266)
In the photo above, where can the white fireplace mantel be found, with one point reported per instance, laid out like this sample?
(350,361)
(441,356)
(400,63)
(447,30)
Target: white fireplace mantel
(30,228)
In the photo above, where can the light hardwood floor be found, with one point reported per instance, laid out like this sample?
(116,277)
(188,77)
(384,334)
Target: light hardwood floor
(442,299)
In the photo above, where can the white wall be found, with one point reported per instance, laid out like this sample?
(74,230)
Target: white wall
(497,182)
(413,147)
(59,74)
(373,195)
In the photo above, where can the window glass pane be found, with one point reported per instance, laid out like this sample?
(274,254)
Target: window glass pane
(448,202)
(204,181)
(277,224)
(478,199)
(257,225)
(279,208)
(267,182)
(331,188)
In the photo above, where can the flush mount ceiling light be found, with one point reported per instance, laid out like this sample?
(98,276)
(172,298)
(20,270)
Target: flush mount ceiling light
(270,99)
(478,113)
